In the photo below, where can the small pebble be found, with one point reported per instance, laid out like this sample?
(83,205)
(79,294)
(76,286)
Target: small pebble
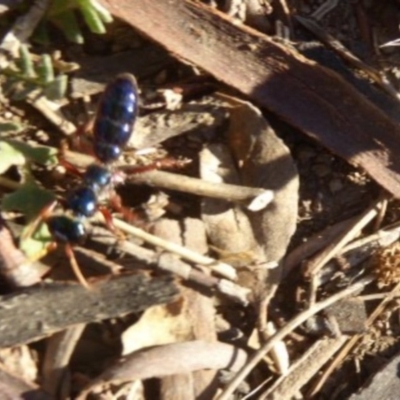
(335,185)
(321,170)
(324,158)
(42,136)
(305,154)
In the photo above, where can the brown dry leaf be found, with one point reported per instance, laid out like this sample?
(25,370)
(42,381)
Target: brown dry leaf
(228,226)
(256,238)
(20,362)
(265,161)
(158,325)
(195,116)
(13,387)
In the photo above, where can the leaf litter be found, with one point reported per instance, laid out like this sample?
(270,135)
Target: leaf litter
(230,142)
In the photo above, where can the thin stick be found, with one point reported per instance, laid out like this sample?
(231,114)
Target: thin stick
(171,263)
(303,369)
(315,243)
(290,326)
(315,264)
(384,237)
(223,269)
(324,9)
(199,187)
(168,180)
(381,214)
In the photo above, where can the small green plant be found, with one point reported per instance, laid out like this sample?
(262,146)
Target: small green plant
(62,13)
(31,73)
(29,198)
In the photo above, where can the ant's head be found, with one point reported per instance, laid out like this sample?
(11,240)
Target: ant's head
(66,230)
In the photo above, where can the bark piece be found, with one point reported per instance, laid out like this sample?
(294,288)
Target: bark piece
(384,385)
(39,311)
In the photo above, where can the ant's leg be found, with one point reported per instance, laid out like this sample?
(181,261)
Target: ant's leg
(75,267)
(43,215)
(62,160)
(72,259)
(130,215)
(108,218)
(82,140)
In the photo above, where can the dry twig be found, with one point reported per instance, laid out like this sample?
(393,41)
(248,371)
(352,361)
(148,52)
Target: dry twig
(292,324)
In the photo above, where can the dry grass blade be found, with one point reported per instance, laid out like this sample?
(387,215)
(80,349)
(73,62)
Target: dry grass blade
(291,325)
(57,358)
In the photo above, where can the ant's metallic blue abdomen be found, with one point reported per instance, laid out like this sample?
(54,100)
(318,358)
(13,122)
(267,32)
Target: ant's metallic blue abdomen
(116,115)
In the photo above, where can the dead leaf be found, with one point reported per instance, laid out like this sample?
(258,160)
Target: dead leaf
(158,325)
(171,359)
(263,160)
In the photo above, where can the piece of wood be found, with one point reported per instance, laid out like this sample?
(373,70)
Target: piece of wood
(308,96)
(42,310)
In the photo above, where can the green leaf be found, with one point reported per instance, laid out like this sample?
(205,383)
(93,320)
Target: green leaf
(10,156)
(60,6)
(56,89)
(103,13)
(45,69)
(26,62)
(37,243)
(29,199)
(61,13)
(41,155)
(92,18)
(68,24)
(21,93)
(11,127)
